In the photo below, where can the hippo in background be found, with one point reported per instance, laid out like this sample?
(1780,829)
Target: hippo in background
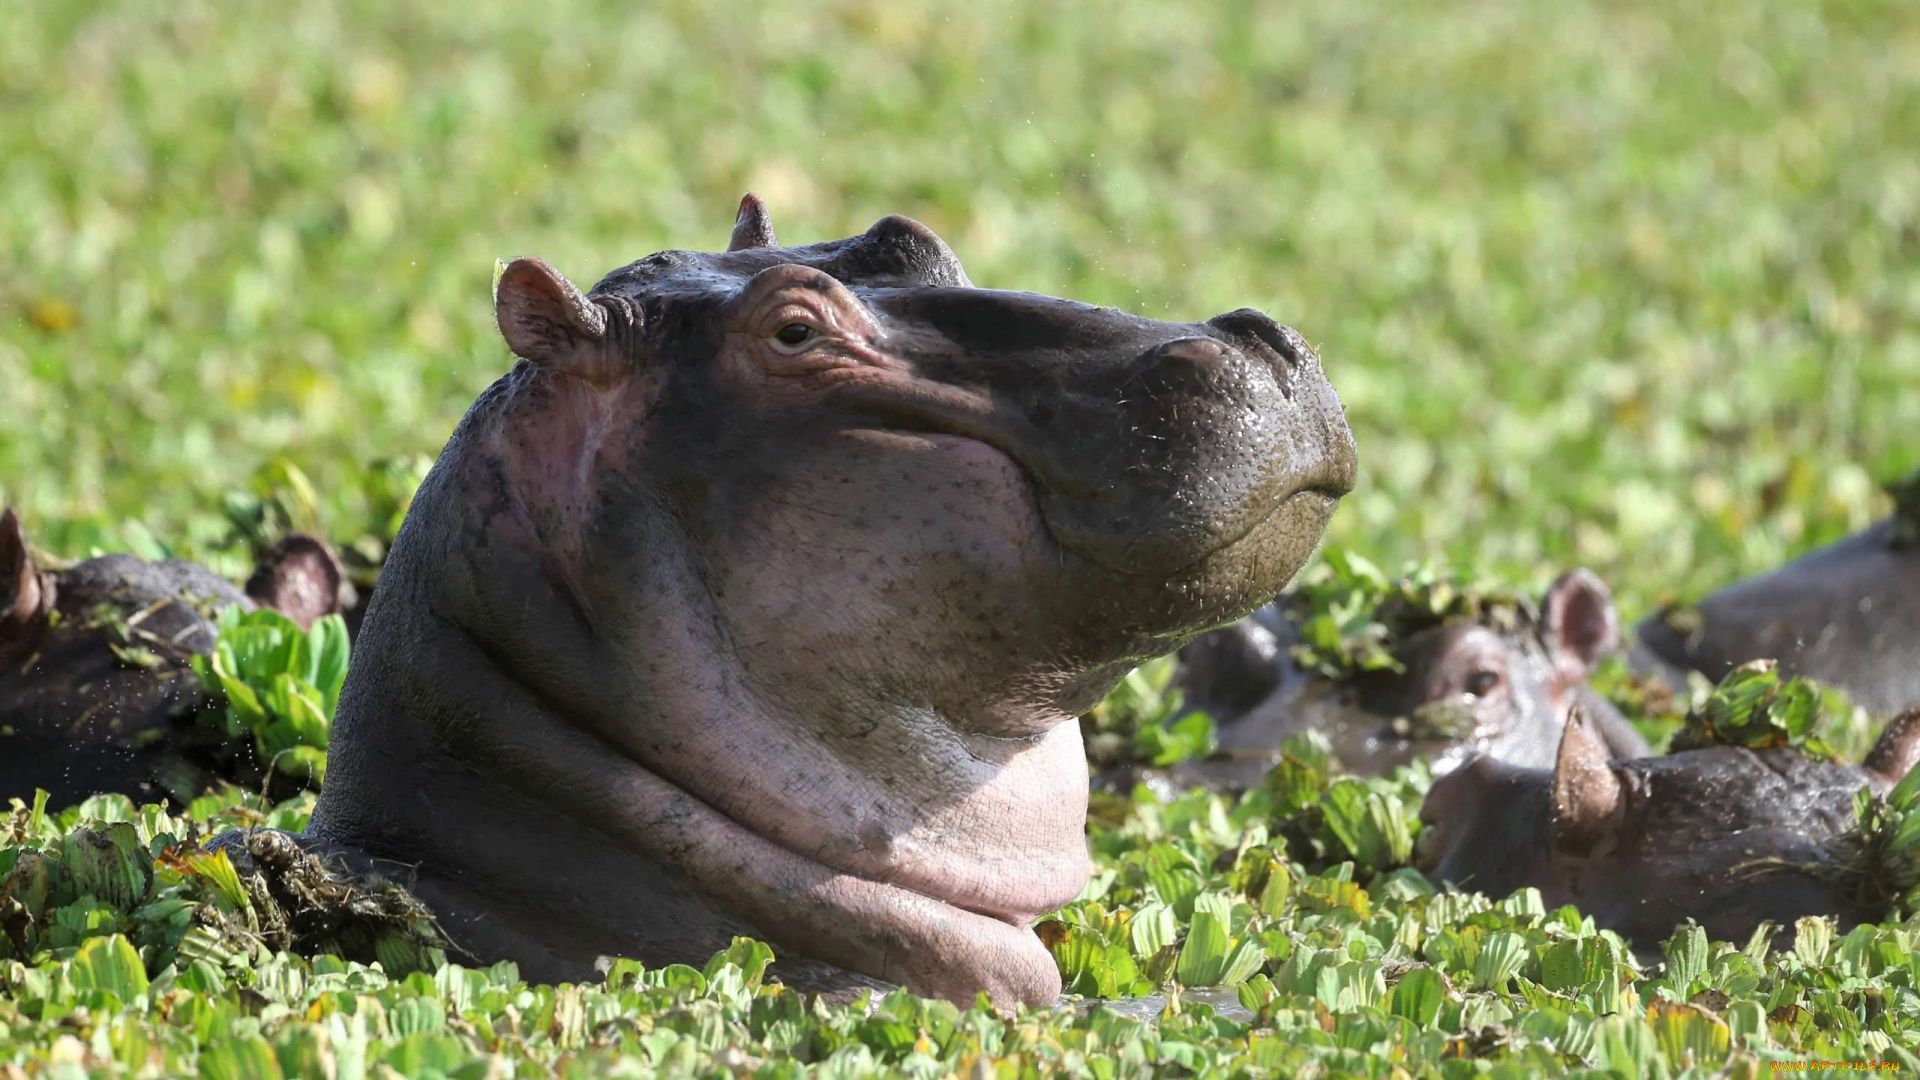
(96,692)
(1847,615)
(761,595)
(1726,835)
(1502,684)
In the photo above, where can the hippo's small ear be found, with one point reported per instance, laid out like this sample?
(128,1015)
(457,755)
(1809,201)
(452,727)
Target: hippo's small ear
(1580,622)
(300,578)
(1897,750)
(752,226)
(19,583)
(1587,796)
(547,320)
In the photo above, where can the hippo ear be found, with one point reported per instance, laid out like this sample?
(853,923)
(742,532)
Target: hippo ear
(752,226)
(1587,796)
(1580,623)
(1897,750)
(300,578)
(19,584)
(545,319)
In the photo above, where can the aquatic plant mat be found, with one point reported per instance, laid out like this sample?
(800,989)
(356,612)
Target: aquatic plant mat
(130,952)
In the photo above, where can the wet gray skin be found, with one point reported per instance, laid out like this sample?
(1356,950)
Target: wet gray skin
(79,718)
(1847,614)
(1725,835)
(1468,688)
(761,596)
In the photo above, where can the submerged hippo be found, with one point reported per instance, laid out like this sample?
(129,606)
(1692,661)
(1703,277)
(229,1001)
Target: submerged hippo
(1501,684)
(96,694)
(1725,835)
(1847,615)
(760,598)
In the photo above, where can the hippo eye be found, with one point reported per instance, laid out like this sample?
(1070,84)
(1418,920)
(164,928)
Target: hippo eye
(1480,683)
(793,336)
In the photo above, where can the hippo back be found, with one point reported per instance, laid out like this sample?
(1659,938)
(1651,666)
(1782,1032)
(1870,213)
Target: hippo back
(1847,614)
(88,693)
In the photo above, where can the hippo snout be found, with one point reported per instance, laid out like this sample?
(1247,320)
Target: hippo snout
(1255,327)
(1207,436)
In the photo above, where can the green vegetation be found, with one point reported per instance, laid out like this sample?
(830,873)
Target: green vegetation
(1754,707)
(1888,831)
(1623,285)
(1274,949)
(281,685)
(1282,929)
(1352,615)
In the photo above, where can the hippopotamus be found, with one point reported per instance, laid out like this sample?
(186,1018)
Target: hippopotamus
(761,595)
(96,692)
(1726,835)
(1847,614)
(1501,684)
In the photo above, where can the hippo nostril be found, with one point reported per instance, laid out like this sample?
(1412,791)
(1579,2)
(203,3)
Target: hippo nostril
(1197,353)
(1250,323)
(1198,365)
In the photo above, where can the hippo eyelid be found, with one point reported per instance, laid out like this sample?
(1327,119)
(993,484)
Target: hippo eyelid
(1479,683)
(778,339)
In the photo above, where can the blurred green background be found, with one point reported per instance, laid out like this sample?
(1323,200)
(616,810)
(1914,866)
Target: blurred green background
(1630,285)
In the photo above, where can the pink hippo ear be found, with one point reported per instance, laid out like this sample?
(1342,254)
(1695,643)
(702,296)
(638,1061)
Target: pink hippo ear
(1897,750)
(753,226)
(19,583)
(546,320)
(1587,797)
(1580,623)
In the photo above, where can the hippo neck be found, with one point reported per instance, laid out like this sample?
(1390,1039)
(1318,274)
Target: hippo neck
(506,805)
(613,733)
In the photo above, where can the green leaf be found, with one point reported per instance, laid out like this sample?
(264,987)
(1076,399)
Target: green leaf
(1247,958)
(1689,1037)
(1562,968)
(109,864)
(1203,958)
(248,1057)
(330,647)
(1812,939)
(1152,929)
(1371,826)
(1080,953)
(111,964)
(1686,953)
(1191,736)
(1419,994)
(1500,958)
(217,868)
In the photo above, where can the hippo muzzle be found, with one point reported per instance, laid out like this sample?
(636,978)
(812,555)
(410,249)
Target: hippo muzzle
(1151,446)
(760,599)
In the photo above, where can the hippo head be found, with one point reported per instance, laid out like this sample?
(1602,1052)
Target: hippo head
(1502,687)
(778,575)
(1726,835)
(1010,487)
(1501,684)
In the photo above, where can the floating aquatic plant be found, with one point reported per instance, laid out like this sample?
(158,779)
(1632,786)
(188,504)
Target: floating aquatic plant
(280,685)
(1353,617)
(1754,707)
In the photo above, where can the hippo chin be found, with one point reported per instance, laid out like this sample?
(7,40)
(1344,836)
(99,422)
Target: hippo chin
(762,595)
